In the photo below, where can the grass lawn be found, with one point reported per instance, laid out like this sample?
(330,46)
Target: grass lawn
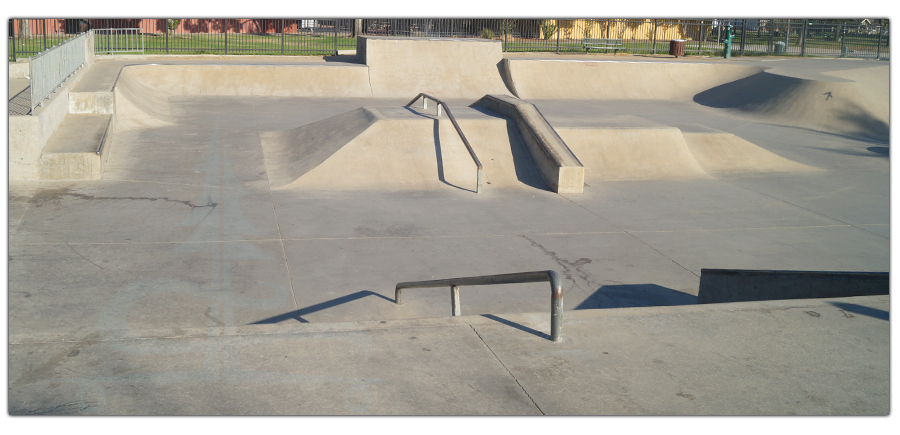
(31,46)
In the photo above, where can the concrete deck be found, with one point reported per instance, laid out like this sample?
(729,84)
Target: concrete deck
(184,282)
(801,357)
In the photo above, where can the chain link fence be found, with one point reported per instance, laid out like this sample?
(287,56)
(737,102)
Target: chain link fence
(298,36)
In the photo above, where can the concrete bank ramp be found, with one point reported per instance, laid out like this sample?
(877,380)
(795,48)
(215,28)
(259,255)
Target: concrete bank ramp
(631,148)
(450,68)
(140,105)
(399,148)
(719,152)
(614,80)
(854,103)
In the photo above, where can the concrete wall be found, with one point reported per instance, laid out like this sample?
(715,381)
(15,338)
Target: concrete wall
(18,70)
(733,285)
(445,68)
(556,163)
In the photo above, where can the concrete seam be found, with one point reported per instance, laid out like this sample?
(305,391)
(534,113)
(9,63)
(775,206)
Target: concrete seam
(287,265)
(632,235)
(803,208)
(507,370)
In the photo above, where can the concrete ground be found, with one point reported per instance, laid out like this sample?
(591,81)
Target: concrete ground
(181,283)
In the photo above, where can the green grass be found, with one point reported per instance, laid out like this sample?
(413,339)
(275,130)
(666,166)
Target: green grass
(33,45)
(236,44)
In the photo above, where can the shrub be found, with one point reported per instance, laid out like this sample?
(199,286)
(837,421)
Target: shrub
(548,29)
(487,33)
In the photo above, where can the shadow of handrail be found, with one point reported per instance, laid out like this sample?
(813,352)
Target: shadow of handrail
(298,314)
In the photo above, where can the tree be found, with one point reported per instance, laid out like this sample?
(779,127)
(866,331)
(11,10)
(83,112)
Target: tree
(24,29)
(171,25)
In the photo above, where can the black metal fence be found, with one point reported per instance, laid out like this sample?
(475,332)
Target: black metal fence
(296,36)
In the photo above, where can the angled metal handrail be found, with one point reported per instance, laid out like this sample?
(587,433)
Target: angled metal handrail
(425,97)
(556,291)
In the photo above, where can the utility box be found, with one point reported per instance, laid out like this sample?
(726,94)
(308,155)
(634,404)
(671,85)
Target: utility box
(780,47)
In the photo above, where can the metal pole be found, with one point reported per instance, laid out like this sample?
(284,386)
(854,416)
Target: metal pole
(335,36)
(803,37)
(557,36)
(655,24)
(166,24)
(843,40)
(456,310)
(44,24)
(878,50)
(282,37)
(225,28)
(700,40)
(743,31)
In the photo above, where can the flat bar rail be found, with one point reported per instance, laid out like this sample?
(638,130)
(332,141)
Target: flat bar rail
(425,97)
(48,69)
(556,291)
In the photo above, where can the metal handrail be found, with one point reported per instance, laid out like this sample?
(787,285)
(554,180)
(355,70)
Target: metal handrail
(556,291)
(425,97)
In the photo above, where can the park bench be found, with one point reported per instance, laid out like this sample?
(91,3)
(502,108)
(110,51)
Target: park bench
(606,43)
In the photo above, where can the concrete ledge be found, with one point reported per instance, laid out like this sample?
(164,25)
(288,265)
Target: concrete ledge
(78,149)
(734,285)
(558,166)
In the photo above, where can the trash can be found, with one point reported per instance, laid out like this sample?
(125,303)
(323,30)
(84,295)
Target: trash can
(676,47)
(779,47)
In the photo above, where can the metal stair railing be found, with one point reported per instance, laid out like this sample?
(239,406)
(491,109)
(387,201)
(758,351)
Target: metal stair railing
(425,97)
(556,291)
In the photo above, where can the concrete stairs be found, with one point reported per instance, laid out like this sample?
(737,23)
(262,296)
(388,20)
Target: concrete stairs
(78,149)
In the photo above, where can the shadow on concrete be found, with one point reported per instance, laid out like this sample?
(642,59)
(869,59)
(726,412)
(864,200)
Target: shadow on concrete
(343,58)
(516,325)
(861,310)
(440,157)
(298,314)
(635,295)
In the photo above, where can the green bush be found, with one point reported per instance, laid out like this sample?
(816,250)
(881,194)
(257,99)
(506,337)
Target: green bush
(487,33)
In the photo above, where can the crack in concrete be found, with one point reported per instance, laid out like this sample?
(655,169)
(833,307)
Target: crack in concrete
(507,370)
(568,267)
(53,195)
(82,256)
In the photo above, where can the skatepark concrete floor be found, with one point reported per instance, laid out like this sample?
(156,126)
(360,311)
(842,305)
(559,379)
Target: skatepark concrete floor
(183,283)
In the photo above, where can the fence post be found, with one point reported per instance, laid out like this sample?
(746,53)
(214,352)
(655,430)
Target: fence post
(700,40)
(655,23)
(225,28)
(166,23)
(282,37)
(743,32)
(44,23)
(335,36)
(803,37)
(878,50)
(557,36)
(843,40)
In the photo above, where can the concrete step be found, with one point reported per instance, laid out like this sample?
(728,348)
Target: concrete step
(78,148)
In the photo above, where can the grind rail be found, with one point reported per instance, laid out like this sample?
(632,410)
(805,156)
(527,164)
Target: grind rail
(425,97)
(556,291)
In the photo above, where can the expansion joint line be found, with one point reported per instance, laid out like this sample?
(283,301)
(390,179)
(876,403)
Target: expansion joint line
(802,208)
(507,370)
(632,236)
(287,265)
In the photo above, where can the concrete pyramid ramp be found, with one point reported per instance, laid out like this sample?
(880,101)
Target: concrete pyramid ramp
(396,148)
(631,148)
(614,80)
(720,152)
(851,102)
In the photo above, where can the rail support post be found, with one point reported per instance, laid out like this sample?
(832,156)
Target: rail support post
(456,310)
